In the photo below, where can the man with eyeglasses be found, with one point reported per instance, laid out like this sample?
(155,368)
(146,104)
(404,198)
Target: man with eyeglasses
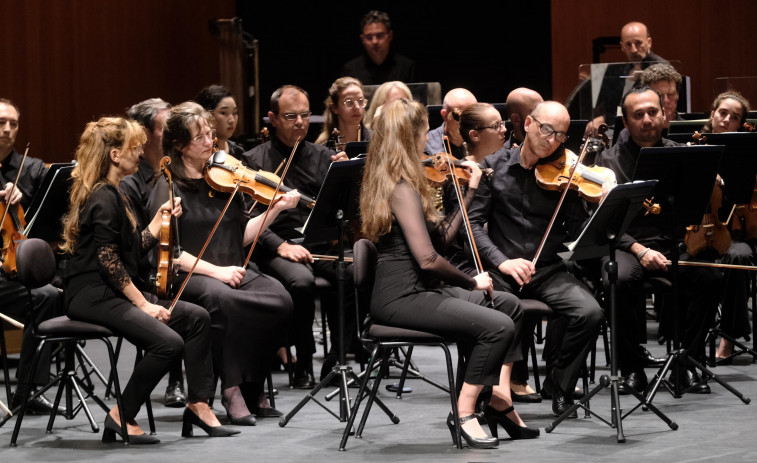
(453,104)
(13,295)
(379,63)
(517,212)
(277,251)
(643,251)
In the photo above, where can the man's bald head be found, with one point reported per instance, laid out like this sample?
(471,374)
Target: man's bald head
(635,41)
(520,103)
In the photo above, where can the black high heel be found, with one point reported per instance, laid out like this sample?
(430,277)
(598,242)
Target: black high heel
(190,418)
(515,431)
(112,428)
(473,442)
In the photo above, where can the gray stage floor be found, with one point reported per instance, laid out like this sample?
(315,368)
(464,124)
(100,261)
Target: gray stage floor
(712,427)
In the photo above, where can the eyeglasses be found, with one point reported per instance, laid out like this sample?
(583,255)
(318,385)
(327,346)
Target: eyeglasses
(379,36)
(139,149)
(293,116)
(547,130)
(496,126)
(210,135)
(361,102)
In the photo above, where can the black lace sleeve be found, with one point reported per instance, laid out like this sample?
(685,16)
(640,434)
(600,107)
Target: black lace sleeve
(408,210)
(111,268)
(148,240)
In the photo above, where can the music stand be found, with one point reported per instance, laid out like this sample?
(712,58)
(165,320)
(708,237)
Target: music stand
(50,203)
(337,204)
(682,170)
(599,239)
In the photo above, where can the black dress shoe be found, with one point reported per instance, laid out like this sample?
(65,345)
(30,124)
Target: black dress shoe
(175,396)
(39,406)
(304,380)
(560,401)
(690,381)
(636,380)
(649,360)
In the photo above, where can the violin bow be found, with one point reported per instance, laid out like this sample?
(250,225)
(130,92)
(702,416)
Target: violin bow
(13,187)
(273,199)
(204,246)
(466,220)
(602,128)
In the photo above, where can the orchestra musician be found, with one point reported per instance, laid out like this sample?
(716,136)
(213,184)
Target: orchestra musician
(519,104)
(728,114)
(345,111)
(665,80)
(151,114)
(517,211)
(455,101)
(101,235)
(643,251)
(13,295)
(386,92)
(223,106)
(278,253)
(398,214)
(249,311)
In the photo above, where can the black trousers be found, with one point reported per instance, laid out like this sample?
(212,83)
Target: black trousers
(487,337)
(14,303)
(734,319)
(700,291)
(571,300)
(187,331)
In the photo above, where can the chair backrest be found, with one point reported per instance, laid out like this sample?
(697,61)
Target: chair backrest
(35,262)
(364,257)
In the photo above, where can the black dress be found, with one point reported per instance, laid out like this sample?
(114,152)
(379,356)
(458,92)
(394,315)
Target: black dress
(248,323)
(409,293)
(106,256)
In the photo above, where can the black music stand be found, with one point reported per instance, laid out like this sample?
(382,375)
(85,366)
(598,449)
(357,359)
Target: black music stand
(599,239)
(337,204)
(687,178)
(45,213)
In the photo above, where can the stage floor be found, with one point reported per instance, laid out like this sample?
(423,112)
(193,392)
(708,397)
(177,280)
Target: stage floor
(717,426)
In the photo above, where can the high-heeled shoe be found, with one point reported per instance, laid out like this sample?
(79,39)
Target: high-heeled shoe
(112,428)
(248,420)
(473,442)
(515,431)
(190,418)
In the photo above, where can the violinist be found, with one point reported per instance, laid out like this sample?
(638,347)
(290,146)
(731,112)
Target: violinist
(345,112)
(12,294)
(277,252)
(517,210)
(249,311)
(728,114)
(151,115)
(643,251)
(386,92)
(102,237)
(223,106)
(455,101)
(399,216)
(520,103)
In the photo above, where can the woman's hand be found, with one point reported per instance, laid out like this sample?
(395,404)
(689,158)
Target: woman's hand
(484,282)
(158,312)
(175,210)
(475,173)
(230,275)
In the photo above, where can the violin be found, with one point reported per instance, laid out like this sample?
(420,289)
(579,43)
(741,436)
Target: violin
(13,225)
(223,172)
(336,141)
(554,175)
(167,268)
(440,168)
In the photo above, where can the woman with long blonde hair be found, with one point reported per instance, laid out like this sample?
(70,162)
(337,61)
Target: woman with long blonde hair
(102,284)
(398,214)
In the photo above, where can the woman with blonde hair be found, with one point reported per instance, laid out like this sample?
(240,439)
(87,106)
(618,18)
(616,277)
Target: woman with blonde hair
(397,210)
(386,92)
(101,234)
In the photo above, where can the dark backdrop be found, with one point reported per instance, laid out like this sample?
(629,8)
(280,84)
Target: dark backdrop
(476,46)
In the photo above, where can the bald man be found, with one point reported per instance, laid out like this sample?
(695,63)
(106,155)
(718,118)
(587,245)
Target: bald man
(520,103)
(518,211)
(636,44)
(454,102)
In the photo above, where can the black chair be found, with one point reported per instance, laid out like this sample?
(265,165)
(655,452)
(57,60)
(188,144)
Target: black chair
(380,340)
(36,268)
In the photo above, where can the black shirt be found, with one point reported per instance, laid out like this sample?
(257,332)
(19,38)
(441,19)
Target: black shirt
(394,67)
(32,174)
(306,173)
(137,188)
(518,211)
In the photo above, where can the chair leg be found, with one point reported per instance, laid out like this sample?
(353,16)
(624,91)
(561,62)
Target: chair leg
(27,391)
(271,398)
(116,385)
(453,395)
(117,355)
(360,395)
(6,375)
(383,368)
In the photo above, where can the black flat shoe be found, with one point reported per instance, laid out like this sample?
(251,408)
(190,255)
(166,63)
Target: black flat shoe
(248,420)
(533,398)
(473,442)
(112,428)
(267,412)
(494,417)
(190,419)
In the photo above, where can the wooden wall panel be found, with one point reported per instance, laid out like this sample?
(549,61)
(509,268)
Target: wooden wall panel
(68,62)
(711,38)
